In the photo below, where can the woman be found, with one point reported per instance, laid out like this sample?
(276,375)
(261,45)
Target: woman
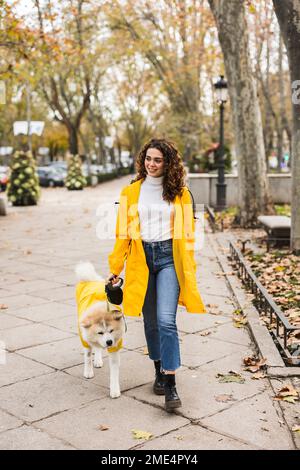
(155,236)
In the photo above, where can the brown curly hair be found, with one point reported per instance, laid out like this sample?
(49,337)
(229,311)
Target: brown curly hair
(174,172)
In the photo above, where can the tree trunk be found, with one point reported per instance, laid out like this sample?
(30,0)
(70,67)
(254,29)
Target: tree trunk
(288,15)
(254,197)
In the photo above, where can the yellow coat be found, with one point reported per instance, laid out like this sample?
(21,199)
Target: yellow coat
(128,247)
(87,293)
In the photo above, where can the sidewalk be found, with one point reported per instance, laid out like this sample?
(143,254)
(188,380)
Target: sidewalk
(45,403)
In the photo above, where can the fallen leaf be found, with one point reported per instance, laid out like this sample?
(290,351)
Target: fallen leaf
(137,434)
(253,363)
(296,428)
(258,375)
(287,393)
(3,306)
(205,333)
(145,351)
(103,427)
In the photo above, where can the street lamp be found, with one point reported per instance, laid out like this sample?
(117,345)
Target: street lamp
(222,97)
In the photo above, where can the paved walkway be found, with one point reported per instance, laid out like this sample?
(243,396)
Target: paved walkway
(44,401)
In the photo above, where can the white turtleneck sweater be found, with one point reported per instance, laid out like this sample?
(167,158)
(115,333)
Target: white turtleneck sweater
(156,215)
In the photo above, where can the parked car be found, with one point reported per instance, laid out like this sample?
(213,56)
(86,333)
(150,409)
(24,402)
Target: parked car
(50,176)
(4,172)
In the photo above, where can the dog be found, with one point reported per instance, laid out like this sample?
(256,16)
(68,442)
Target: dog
(101,324)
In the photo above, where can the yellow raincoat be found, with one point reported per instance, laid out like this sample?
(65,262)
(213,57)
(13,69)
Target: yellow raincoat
(87,293)
(128,247)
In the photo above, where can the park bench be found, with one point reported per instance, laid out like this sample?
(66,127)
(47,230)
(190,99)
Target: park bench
(278,228)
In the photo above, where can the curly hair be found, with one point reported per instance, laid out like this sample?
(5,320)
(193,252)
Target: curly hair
(174,172)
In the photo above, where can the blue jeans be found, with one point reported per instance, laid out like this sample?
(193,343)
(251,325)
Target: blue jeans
(160,305)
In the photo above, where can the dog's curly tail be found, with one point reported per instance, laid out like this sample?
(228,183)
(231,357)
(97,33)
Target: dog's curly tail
(85,271)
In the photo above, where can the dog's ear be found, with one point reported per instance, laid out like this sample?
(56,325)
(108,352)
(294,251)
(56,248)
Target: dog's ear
(117,315)
(86,322)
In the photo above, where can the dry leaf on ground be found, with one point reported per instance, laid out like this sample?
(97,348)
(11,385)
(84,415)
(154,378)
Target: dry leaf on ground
(103,427)
(287,393)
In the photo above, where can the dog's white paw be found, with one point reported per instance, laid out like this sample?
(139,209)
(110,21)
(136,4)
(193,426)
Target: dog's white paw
(98,363)
(88,374)
(115,393)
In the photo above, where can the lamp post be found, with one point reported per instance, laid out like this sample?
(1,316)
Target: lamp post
(222,96)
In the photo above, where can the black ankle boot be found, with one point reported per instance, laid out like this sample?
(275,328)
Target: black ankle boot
(172,399)
(158,386)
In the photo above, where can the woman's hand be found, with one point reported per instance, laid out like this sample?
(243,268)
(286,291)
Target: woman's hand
(113,278)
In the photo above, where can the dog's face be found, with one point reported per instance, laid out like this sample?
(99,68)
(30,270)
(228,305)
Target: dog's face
(102,328)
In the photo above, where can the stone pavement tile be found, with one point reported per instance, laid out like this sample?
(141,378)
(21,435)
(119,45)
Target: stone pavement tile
(80,427)
(130,360)
(10,321)
(191,323)
(135,336)
(68,324)
(45,311)
(4,293)
(213,285)
(58,354)
(194,437)
(198,390)
(42,396)
(31,335)
(7,278)
(231,334)
(255,420)
(56,294)
(29,438)
(225,306)
(46,260)
(20,301)
(70,302)
(18,368)
(197,350)
(7,422)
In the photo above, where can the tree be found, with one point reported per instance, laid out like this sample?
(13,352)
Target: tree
(288,15)
(233,35)
(65,60)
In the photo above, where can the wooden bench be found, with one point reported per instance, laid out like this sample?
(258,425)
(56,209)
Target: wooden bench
(278,228)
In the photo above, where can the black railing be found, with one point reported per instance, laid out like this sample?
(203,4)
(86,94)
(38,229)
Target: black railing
(265,304)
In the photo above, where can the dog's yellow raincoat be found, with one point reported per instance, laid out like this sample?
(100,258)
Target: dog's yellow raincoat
(88,293)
